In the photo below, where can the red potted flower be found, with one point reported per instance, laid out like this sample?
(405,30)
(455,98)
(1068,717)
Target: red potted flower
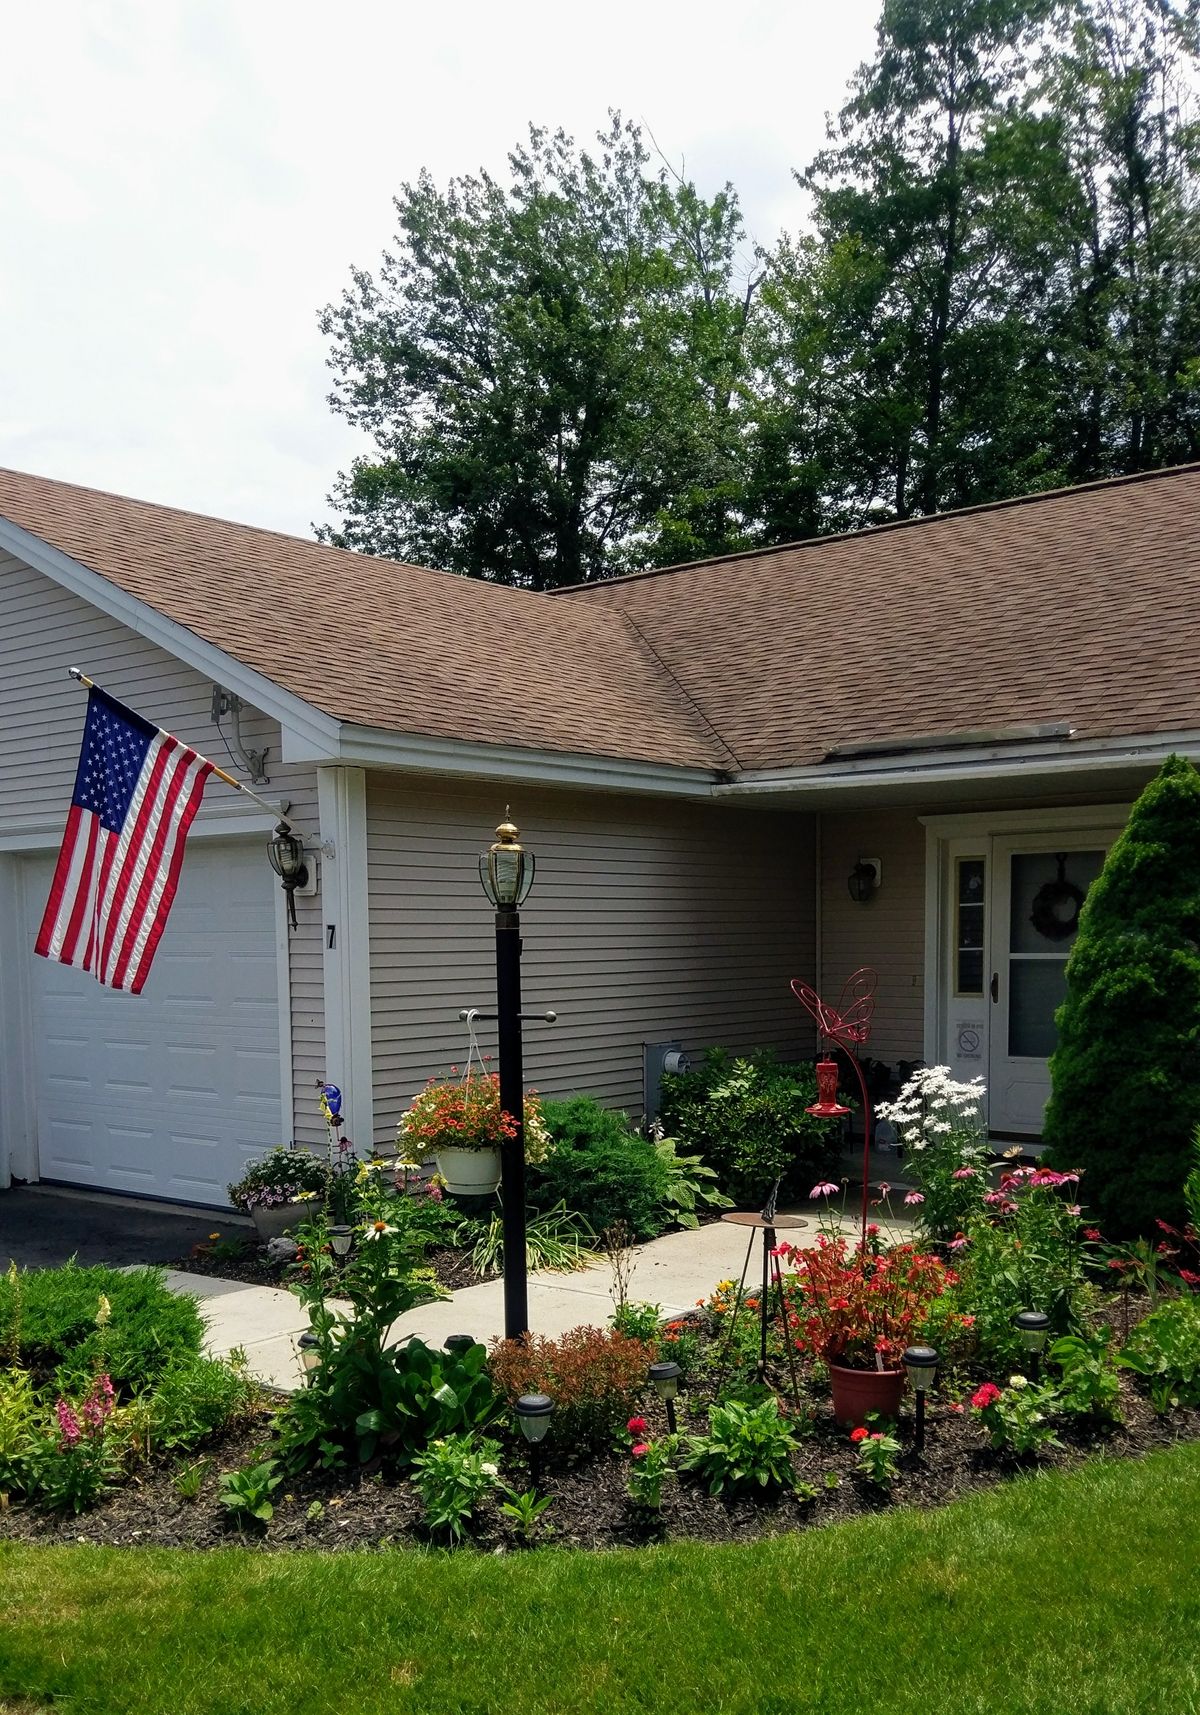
(858,1310)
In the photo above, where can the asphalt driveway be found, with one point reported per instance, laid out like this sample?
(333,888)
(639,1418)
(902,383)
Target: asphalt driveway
(41,1226)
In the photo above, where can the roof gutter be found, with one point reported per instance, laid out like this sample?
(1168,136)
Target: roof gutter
(373,747)
(983,765)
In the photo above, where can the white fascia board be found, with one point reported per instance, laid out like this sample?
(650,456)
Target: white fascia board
(301,722)
(1052,762)
(372,747)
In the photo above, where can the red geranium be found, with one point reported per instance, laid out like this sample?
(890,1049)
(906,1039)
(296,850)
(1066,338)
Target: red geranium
(987,1395)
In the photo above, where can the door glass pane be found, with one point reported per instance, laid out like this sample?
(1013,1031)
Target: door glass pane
(969,896)
(1047,891)
(1037,988)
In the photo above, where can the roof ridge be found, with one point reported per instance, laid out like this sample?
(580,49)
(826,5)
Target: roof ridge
(892,524)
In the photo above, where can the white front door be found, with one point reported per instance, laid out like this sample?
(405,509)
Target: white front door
(171,1092)
(1036,884)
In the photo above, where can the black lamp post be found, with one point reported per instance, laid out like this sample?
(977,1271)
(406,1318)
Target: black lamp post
(506,871)
(921,1362)
(1033,1327)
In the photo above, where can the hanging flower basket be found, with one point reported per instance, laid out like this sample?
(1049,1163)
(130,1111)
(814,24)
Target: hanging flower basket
(462,1125)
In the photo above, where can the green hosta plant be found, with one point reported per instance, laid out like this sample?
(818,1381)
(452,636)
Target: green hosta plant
(688,1183)
(747,1447)
(246,1494)
(452,1476)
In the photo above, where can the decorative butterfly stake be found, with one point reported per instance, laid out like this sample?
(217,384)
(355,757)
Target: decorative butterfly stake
(847,1027)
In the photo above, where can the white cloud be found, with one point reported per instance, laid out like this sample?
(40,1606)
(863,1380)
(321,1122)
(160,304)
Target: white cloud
(187,182)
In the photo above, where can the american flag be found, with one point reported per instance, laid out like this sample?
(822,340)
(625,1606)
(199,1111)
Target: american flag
(136,794)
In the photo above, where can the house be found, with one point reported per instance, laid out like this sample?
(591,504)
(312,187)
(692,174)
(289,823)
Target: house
(908,747)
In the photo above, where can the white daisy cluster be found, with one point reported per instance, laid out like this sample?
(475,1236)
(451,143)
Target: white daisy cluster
(933,1108)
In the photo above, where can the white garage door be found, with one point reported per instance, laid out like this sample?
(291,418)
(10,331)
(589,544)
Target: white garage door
(167,1093)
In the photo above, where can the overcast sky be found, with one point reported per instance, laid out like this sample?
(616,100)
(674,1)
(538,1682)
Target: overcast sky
(185,184)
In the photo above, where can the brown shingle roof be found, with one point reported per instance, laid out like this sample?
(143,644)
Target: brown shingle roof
(1080,606)
(379,643)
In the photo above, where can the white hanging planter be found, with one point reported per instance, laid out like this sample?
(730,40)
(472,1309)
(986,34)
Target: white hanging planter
(470,1172)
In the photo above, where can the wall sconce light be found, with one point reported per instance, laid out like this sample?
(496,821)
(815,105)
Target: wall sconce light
(285,849)
(864,879)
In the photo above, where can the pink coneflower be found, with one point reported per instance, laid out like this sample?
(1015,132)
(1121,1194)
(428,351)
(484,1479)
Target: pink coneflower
(912,1198)
(825,1189)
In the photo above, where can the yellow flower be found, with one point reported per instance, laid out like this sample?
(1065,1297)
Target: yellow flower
(103,1311)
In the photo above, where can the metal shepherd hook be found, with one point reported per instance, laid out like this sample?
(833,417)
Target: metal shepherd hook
(847,1028)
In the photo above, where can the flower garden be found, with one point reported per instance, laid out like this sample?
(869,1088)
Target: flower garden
(1033,1341)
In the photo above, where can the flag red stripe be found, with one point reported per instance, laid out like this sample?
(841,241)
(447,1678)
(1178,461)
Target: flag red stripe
(168,893)
(133,846)
(78,904)
(152,860)
(61,871)
(91,956)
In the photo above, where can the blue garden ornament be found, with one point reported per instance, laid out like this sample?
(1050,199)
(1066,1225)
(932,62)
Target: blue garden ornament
(333,1100)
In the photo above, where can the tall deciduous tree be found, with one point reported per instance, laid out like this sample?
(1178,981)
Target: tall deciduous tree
(937,210)
(549,370)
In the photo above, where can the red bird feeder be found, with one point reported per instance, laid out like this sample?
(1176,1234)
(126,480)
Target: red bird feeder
(827,1106)
(847,1028)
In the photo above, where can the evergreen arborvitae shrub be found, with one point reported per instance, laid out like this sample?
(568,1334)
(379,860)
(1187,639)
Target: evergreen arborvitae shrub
(1126,1073)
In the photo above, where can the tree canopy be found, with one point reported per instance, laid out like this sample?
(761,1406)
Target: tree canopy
(996,290)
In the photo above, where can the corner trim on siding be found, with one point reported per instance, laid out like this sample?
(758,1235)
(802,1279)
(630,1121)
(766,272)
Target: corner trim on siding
(935,846)
(294,715)
(342,806)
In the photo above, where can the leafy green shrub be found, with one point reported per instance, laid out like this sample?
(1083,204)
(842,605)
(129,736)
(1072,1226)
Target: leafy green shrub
(55,1319)
(361,1402)
(593,1375)
(20,1417)
(1126,1073)
(600,1167)
(196,1397)
(1089,1385)
(746,1119)
(747,1446)
(689,1182)
(452,1476)
(1165,1349)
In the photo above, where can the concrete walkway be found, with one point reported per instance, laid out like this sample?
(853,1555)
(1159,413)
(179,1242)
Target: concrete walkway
(672,1272)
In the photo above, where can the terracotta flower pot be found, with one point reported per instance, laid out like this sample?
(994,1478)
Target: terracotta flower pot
(858,1392)
(469,1172)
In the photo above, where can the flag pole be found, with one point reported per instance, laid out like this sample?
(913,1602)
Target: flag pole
(273,810)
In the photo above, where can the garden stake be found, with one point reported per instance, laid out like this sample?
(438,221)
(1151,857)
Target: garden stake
(765,1222)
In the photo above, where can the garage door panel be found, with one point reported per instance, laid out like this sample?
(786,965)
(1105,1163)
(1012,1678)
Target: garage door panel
(171,1092)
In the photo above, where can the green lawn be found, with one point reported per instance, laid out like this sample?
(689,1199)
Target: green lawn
(1055,1594)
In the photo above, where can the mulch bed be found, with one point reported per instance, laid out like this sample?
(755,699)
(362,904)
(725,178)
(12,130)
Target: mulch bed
(252,1265)
(590,1508)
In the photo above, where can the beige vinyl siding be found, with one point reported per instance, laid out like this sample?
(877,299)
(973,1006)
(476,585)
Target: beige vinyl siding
(648,921)
(888,933)
(44,629)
